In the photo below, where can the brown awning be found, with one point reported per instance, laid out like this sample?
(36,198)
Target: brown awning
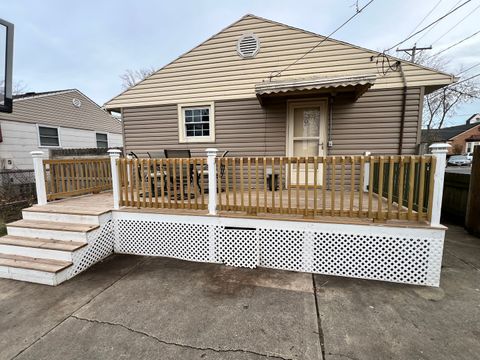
(354,83)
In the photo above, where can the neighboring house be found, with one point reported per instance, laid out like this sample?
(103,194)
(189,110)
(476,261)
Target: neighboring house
(54,120)
(333,99)
(462,138)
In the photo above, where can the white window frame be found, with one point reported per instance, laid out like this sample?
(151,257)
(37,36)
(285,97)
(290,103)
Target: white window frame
(49,146)
(469,145)
(96,141)
(182,137)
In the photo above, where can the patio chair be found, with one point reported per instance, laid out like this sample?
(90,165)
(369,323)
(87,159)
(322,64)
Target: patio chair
(156,154)
(187,171)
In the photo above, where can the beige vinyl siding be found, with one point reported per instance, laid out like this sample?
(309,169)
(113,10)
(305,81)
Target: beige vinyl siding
(242,127)
(372,123)
(57,109)
(213,70)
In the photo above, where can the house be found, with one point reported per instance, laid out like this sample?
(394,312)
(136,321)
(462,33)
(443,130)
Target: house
(54,120)
(297,112)
(262,88)
(462,138)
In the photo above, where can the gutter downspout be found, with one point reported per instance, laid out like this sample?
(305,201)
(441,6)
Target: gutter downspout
(404,106)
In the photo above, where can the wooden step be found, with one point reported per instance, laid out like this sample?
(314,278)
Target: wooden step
(50,225)
(30,263)
(40,243)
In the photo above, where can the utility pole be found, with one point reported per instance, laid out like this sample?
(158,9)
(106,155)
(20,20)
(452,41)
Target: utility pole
(413,50)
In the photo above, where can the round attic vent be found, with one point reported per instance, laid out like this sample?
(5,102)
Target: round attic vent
(248,46)
(76,102)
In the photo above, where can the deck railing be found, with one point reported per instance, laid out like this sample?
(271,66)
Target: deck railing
(163,183)
(72,177)
(375,187)
(379,188)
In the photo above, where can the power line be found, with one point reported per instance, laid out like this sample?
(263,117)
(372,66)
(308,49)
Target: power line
(324,39)
(468,69)
(429,25)
(470,78)
(462,81)
(428,31)
(457,43)
(458,23)
(421,22)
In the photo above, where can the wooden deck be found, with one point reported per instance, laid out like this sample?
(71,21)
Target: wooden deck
(96,204)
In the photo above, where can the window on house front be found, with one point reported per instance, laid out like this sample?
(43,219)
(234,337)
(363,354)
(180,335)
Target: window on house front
(102,140)
(471,145)
(48,136)
(196,123)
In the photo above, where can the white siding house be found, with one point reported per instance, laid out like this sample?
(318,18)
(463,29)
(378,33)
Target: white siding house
(54,120)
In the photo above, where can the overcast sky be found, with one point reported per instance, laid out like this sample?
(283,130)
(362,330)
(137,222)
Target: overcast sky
(88,44)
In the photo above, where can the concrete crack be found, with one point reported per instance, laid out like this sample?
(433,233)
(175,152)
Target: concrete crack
(81,306)
(319,320)
(179,344)
(464,261)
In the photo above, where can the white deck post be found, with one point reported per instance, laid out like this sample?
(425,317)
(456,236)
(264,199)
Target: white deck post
(39,177)
(212,181)
(114,156)
(366,173)
(439,150)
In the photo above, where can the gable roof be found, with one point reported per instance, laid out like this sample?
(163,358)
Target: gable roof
(213,70)
(446,134)
(56,108)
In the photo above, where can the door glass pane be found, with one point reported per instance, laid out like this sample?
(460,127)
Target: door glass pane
(306,122)
(305,147)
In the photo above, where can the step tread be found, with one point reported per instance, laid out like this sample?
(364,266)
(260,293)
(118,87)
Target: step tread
(40,243)
(66,210)
(53,225)
(30,263)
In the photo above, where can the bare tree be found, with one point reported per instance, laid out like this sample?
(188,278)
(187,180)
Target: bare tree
(443,103)
(132,77)
(18,87)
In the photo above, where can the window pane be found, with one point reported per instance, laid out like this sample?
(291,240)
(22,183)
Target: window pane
(102,140)
(49,141)
(46,131)
(101,137)
(48,136)
(197,122)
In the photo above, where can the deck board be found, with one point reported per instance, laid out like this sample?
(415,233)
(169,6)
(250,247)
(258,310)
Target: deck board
(103,202)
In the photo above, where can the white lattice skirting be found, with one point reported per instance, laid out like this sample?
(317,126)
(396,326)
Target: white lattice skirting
(396,254)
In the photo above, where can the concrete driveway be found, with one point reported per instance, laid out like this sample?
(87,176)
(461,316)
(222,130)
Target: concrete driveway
(152,308)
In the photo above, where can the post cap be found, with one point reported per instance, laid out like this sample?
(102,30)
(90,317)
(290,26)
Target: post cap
(211,151)
(37,153)
(439,147)
(114,152)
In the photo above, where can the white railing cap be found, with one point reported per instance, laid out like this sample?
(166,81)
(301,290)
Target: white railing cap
(37,153)
(439,147)
(114,152)
(211,151)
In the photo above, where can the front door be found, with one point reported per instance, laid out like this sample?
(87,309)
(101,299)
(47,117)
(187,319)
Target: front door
(307,136)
